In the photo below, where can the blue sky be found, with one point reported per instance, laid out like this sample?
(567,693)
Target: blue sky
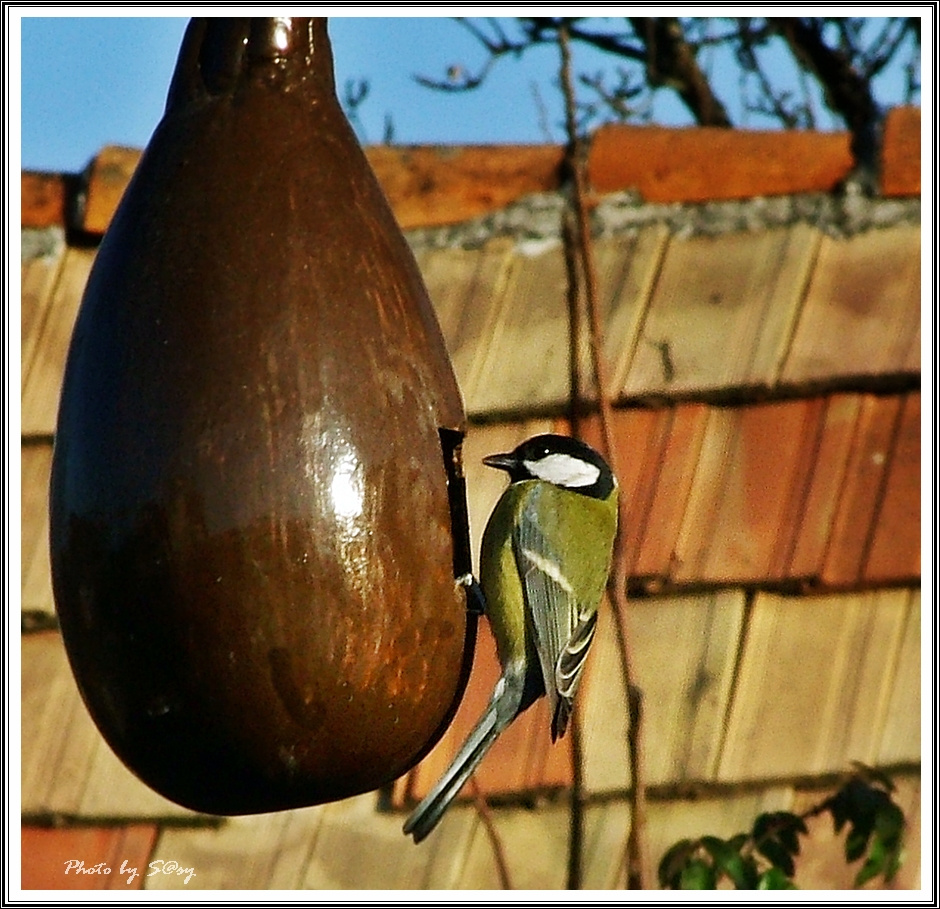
(89,81)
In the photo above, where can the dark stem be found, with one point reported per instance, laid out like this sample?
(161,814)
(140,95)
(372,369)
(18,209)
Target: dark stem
(576,840)
(486,816)
(617,585)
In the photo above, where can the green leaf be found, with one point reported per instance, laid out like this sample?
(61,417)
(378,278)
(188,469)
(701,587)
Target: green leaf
(789,832)
(782,826)
(717,848)
(895,861)
(885,854)
(778,855)
(728,860)
(874,864)
(673,862)
(889,822)
(775,879)
(736,842)
(698,875)
(762,824)
(855,843)
(838,807)
(741,871)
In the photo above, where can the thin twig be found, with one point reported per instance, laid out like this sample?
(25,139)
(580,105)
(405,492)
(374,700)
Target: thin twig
(575,390)
(570,232)
(499,854)
(617,587)
(576,828)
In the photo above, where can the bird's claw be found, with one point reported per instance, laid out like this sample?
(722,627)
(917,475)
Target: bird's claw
(476,602)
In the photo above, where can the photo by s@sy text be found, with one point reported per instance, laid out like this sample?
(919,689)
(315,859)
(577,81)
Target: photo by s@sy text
(130,872)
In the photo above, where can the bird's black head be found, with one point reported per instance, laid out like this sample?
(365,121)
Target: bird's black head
(560,460)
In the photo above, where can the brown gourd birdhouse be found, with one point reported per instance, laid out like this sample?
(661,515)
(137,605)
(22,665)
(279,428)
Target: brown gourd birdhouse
(257,515)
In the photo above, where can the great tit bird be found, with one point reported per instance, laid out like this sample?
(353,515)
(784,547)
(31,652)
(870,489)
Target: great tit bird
(544,562)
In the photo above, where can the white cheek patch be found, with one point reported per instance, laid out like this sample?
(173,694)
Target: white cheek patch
(564,470)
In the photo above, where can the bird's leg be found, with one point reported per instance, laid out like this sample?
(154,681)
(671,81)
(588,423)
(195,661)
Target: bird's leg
(476,602)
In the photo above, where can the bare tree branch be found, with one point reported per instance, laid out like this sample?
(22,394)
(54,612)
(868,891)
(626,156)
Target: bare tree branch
(846,90)
(836,59)
(671,61)
(618,45)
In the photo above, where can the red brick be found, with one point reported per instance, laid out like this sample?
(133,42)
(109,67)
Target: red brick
(108,176)
(444,185)
(708,163)
(42,202)
(900,157)
(426,185)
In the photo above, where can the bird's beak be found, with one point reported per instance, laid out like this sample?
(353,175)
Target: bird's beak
(500,461)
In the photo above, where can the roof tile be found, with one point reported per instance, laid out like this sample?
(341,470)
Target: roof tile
(685,693)
(674,467)
(536,844)
(443,185)
(861,315)
(436,185)
(120,853)
(812,690)
(466,287)
(50,707)
(606,827)
(627,271)
(38,276)
(258,852)
(36,583)
(67,767)
(741,492)
(49,343)
(894,552)
(900,736)
(513,383)
(722,311)
(805,546)
(862,491)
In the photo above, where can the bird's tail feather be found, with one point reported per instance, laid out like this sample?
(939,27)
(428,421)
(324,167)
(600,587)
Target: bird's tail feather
(426,816)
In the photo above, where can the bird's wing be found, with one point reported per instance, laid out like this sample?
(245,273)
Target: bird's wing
(562,630)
